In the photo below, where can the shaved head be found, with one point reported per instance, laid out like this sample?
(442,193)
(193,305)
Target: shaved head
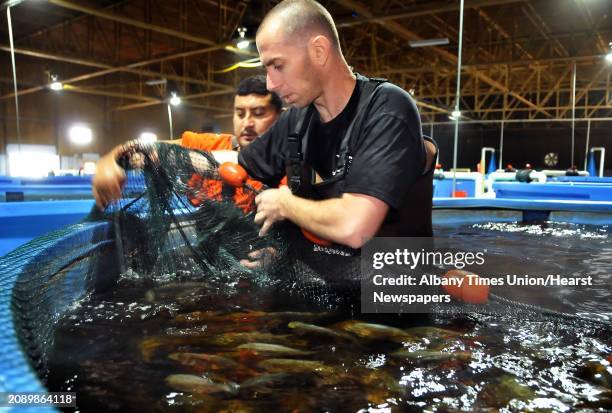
(302,19)
(298,45)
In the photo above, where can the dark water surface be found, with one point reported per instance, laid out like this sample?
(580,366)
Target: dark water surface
(177,348)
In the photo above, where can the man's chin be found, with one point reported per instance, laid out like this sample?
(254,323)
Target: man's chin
(296,104)
(291,100)
(299,103)
(246,139)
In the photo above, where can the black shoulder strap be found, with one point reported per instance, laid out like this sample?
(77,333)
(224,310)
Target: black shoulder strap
(365,98)
(296,166)
(296,157)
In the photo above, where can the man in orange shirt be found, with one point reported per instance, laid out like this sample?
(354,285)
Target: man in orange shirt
(255,111)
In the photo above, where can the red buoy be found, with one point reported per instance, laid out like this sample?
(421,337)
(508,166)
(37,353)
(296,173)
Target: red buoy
(233,174)
(471,290)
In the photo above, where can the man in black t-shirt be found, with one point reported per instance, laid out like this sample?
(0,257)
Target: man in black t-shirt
(299,47)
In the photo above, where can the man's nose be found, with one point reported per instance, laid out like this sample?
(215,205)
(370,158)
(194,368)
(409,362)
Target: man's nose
(249,119)
(271,85)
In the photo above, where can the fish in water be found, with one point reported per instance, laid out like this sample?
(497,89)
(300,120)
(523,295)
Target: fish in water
(236,339)
(219,317)
(259,317)
(305,328)
(199,385)
(265,349)
(204,361)
(432,332)
(269,383)
(150,346)
(376,331)
(379,378)
(280,365)
(436,356)
(175,291)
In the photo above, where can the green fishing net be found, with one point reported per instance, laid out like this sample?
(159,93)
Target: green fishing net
(176,222)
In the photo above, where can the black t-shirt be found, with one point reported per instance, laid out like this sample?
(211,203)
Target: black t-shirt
(325,137)
(387,150)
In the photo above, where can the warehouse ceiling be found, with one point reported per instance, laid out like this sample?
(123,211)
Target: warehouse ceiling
(518,56)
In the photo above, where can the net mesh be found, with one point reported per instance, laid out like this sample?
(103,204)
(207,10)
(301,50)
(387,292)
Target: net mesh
(176,221)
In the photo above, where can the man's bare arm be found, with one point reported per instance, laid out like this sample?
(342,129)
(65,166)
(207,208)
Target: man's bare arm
(350,220)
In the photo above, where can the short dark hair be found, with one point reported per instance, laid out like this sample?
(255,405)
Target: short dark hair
(257,85)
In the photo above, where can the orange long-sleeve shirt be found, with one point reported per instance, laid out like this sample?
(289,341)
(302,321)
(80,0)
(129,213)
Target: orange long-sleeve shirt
(208,141)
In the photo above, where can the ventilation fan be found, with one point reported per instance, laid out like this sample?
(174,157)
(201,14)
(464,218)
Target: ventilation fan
(551,159)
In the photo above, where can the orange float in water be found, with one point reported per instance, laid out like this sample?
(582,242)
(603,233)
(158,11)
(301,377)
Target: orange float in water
(233,174)
(470,291)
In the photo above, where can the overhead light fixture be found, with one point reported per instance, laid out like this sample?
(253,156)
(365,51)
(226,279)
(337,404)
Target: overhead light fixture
(609,55)
(242,42)
(10,3)
(147,137)
(455,115)
(155,82)
(80,135)
(175,100)
(55,84)
(428,42)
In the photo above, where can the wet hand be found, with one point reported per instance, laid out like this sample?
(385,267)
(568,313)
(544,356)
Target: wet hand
(269,208)
(260,258)
(108,181)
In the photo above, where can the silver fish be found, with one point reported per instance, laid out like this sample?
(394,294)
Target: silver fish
(377,331)
(272,349)
(429,355)
(198,385)
(306,328)
(296,366)
(208,361)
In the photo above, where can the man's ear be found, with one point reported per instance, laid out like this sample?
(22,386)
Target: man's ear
(319,49)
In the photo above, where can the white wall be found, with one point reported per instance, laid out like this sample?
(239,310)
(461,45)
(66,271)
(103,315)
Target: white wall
(3,167)
(33,161)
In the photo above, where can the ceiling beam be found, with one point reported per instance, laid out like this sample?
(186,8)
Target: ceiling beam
(185,97)
(123,68)
(586,89)
(60,25)
(98,65)
(98,92)
(516,65)
(400,30)
(420,10)
(588,18)
(486,17)
(539,24)
(131,22)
